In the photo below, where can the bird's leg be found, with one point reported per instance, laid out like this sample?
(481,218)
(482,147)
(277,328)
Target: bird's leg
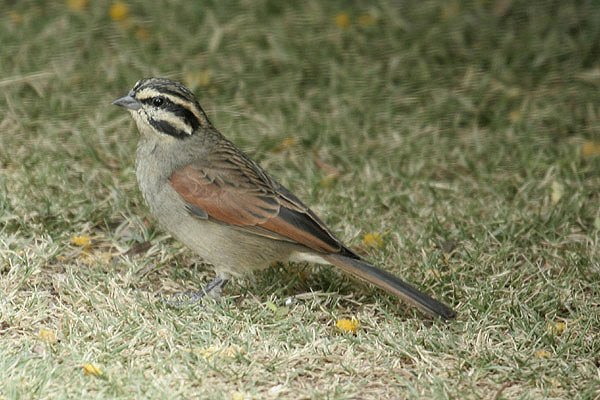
(212,289)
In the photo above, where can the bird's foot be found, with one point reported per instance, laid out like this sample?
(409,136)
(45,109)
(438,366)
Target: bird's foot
(212,289)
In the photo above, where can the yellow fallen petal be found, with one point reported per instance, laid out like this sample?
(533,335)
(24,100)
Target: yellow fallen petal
(372,239)
(47,336)
(119,11)
(91,369)
(209,353)
(590,149)
(514,115)
(542,354)
(327,181)
(77,5)
(347,325)
(15,17)
(285,144)
(342,20)
(556,328)
(80,240)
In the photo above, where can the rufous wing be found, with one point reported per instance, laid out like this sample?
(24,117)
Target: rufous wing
(240,194)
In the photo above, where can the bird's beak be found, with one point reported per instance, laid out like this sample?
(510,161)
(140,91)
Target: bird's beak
(128,102)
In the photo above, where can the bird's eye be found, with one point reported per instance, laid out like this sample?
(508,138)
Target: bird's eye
(158,101)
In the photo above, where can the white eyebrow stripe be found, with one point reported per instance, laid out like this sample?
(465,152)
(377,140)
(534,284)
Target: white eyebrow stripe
(191,106)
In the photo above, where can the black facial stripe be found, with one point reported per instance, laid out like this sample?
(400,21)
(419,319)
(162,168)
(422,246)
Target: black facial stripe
(178,110)
(165,127)
(182,112)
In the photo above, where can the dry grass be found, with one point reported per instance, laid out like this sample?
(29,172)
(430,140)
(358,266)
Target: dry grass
(464,133)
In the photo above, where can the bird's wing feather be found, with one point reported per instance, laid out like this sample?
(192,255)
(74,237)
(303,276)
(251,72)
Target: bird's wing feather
(233,189)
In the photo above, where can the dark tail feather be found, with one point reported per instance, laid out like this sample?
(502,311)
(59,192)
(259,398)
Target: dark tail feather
(392,284)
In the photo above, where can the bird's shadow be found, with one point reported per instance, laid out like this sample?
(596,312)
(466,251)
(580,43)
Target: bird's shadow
(335,290)
(290,280)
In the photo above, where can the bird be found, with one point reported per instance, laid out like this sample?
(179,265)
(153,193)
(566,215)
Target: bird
(221,204)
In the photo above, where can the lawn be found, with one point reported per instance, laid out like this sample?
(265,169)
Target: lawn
(453,143)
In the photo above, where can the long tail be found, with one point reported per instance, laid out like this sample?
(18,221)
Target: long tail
(392,284)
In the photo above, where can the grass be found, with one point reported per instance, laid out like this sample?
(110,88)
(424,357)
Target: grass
(465,133)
